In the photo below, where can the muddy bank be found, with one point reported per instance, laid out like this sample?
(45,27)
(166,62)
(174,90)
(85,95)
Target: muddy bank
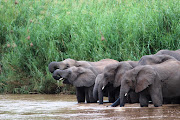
(65,107)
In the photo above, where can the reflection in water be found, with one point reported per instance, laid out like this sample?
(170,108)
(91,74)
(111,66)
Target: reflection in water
(65,107)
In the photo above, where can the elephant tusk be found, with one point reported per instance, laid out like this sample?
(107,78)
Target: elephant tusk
(103,88)
(58,83)
(125,94)
(61,79)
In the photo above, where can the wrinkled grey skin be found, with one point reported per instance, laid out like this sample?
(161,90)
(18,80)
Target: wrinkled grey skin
(95,68)
(111,76)
(154,59)
(67,63)
(158,80)
(82,78)
(175,54)
(109,91)
(149,60)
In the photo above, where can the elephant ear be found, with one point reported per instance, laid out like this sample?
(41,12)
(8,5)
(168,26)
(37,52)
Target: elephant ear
(145,77)
(85,78)
(166,57)
(120,71)
(84,64)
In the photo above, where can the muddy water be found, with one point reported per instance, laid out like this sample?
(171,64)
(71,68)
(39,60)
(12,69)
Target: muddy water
(65,107)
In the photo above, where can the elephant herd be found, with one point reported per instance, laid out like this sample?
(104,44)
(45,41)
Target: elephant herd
(154,78)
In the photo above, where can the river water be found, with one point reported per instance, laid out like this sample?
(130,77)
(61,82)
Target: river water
(65,107)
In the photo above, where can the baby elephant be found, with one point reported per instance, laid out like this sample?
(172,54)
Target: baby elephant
(159,81)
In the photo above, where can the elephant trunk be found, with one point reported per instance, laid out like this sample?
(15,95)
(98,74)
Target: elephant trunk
(95,92)
(101,89)
(57,74)
(53,66)
(100,95)
(123,94)
(116,103)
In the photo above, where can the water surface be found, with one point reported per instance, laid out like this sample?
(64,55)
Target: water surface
(65,107)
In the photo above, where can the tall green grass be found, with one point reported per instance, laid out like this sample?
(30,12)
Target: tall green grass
(35,32)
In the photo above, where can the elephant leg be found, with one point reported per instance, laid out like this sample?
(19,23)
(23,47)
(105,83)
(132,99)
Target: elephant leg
(134,97)
(156,99)
(80,94)
(175,100)
(117,95)
(166,101)
(143,100)
(100,95)
(90,94)
(111,96)
(87,95)
(156,96)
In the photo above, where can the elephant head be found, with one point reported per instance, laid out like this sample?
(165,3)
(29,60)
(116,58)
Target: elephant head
(137,79)
(96,86)
(112,74)
(154,59)
(175,54)
(77,76)
(61,65)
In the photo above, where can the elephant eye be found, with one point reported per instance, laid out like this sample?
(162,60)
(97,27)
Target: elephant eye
(67,65)
(78,65)
(69,73)
(127,81)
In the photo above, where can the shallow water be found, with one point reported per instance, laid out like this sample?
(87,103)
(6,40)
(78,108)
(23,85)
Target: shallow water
(65,107)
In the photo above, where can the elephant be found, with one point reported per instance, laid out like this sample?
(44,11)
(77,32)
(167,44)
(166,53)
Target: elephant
(109,91)
(67,63)
(61,65)
(94,68)
(147,60)
(112,76)
(154,59)
(158,81)
(82,78)
(175,54)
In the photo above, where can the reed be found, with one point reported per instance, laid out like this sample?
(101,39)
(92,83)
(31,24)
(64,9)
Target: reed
(34,33)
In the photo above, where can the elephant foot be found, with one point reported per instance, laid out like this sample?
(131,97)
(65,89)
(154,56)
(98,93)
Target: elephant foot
(121,105)
(80,102)
(144,105)
(93,101)
(112,106)
(157,105)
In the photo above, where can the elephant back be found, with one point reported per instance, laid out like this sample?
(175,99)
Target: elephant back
(175,54)
(100,65)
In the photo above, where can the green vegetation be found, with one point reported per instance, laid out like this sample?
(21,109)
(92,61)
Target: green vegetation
(35,32)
